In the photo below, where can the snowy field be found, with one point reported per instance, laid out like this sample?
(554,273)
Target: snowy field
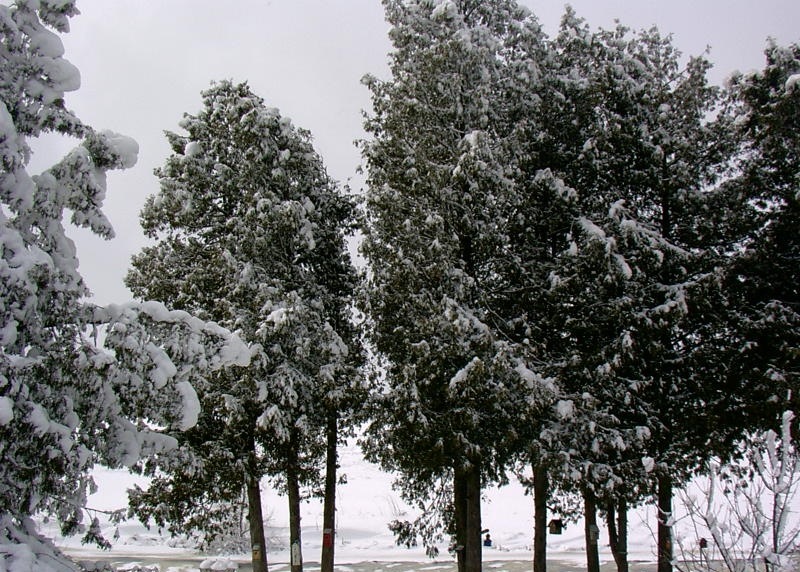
(364,543)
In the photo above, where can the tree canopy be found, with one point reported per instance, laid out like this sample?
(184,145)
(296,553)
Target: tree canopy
(250,231)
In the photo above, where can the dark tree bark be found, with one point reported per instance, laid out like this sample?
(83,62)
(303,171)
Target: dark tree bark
(473,546)
(293,491)
(255,517)
(329,510)
(540,495)
(664,530)
(460,511)
(617,521)
(590,518)
(467,505)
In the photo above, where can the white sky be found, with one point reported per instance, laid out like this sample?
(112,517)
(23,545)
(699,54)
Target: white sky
(144,63)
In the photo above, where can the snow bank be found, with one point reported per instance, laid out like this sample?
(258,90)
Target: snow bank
(221,564)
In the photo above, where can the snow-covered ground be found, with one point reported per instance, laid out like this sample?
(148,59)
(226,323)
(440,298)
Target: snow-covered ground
(365,505)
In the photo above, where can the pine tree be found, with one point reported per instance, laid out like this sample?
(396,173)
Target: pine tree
(460,387)
(250,232)
(67,403)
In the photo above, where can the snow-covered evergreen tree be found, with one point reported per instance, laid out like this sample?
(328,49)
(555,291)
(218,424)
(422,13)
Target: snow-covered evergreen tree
(635,287)
(251,232)
(764,279)
(65,402)
(460,388)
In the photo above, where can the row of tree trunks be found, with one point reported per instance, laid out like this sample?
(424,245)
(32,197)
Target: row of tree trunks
(616,519)
(255,510)
(466,496)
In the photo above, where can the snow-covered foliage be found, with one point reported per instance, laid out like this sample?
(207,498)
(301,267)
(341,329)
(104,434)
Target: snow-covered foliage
(461,384)
(67,402)
(250,231)
(634,288)
(594,208)
(551,199)
(764,278)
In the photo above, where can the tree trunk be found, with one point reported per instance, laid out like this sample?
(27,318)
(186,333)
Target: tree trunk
(255,519)
(617,521)
(467,508)
(329,509)
(473,545)
(664,528)
(293,491)
(460,513)
(540,494)
(591,532)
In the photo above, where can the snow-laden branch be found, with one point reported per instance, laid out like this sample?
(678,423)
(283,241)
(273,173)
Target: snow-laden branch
(747,507)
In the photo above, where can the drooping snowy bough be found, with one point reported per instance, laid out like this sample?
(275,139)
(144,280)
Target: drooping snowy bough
(67,402)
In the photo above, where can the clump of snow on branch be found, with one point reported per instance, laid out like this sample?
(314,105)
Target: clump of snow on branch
(791,83)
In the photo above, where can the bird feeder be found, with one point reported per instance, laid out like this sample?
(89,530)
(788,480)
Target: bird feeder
(556,526)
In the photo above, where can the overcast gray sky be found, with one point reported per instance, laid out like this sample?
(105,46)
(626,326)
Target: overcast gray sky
(144,63)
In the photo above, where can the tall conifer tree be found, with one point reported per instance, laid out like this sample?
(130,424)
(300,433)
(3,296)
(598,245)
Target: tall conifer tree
(251,232)
(637,289)
(459,388)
